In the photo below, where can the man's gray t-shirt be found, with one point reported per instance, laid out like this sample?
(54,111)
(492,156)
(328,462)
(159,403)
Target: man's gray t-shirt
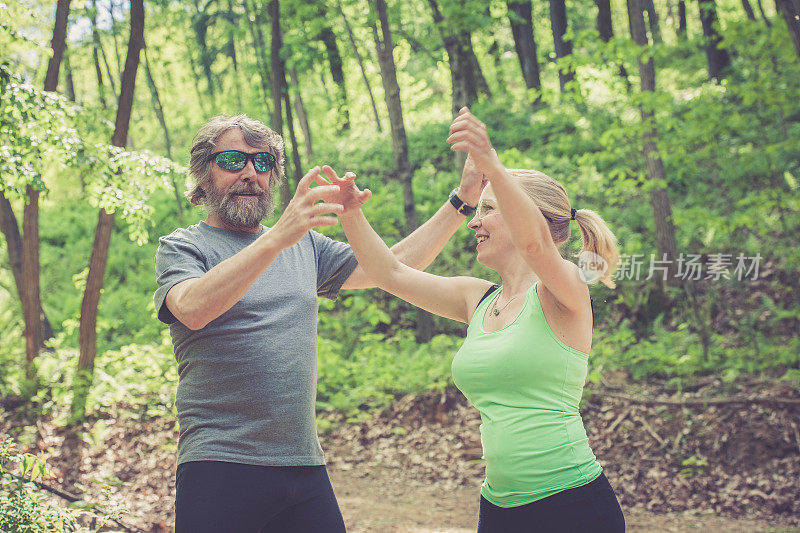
(248,380)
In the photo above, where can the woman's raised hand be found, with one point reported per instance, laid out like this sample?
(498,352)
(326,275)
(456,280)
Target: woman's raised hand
(349,195)
(468,134)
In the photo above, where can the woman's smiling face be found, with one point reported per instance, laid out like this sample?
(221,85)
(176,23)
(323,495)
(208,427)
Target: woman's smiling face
(491,232)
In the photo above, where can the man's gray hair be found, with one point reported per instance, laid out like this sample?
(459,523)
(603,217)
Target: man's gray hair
(256,134)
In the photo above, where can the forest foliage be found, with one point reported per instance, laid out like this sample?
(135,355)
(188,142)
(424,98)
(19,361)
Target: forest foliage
(726,139)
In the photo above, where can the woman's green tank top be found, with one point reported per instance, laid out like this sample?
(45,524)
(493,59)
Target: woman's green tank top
(527,384)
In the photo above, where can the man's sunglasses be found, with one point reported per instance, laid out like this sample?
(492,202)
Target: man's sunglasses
(237,160)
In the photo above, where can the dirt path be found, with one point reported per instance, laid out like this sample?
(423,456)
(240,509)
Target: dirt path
(417,466)
(375,502)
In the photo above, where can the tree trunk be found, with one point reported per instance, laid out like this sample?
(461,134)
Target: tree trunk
(159,110)
(68,78)
(385,46)
(463,73)
(494,51)
(469,51)
(200,24)
(605,26)
(58,44)
(10,229)
(391,90)
(157,107)
(717,57)
(681,20)
(652,21)
(521,19)
(201,95)
(278,82)
(105,222)
(563,47)
(31,300)
(231,48)
(790,9)
(259,48)
(763,15)
(296,163)
(31,297)
(337,74)
(360,64)
(111,5)
(232,18)
(111,77)
(748,9)
(659,199)
(96,47)
(302,116)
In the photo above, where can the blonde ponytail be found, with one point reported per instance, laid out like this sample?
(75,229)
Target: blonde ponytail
(551,198)
(598,239)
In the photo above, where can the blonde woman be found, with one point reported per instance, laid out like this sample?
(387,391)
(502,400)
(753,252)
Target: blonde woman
(524,360)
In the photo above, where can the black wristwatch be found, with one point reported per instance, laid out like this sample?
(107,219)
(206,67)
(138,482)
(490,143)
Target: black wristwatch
(460,205)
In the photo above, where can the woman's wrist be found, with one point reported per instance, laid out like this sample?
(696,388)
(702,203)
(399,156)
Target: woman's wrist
(350,214)
(496,170)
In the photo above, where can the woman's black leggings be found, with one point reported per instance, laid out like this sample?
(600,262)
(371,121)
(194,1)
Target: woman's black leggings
(215,497)
(591,508)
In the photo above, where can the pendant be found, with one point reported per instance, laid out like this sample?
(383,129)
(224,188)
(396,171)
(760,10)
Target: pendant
(495,312)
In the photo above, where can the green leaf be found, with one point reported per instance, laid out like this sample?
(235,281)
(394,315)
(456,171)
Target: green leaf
(790,180)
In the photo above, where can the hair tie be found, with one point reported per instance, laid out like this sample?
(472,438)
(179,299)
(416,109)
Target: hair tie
(572,217)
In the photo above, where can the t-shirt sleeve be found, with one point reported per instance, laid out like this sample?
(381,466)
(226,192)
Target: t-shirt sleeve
(335,263)
(176,260)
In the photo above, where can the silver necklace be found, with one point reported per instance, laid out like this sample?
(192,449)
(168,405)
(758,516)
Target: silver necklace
(495,310)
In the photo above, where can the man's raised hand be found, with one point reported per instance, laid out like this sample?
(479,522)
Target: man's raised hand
(307,209)
(472,182)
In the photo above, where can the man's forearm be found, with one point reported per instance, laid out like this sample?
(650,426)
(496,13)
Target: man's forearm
(423,245)
(198,301)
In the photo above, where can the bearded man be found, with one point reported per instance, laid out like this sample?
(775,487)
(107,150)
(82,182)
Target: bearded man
(241,300)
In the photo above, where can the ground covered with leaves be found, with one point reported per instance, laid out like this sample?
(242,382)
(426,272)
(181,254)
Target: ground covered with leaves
(721,456)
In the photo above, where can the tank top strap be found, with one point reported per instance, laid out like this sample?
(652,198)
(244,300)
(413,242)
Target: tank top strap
(477,317)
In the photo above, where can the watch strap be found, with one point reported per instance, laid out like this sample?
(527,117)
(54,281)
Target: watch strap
(461,206)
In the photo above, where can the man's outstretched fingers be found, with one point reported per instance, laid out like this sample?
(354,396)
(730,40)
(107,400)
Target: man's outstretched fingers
(305,181)
(323,221)
(324,207)
(319,193)
(320,179)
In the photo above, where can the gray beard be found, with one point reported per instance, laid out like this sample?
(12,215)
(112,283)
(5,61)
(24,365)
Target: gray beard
(239,212)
